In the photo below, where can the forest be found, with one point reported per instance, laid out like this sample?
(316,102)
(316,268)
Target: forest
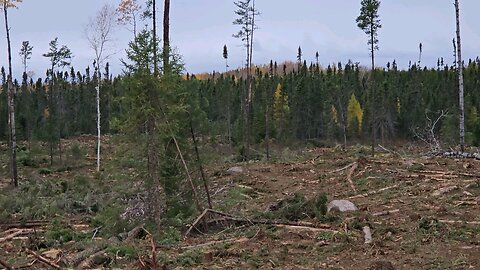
(288,165)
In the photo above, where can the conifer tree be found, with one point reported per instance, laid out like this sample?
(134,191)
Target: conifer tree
(25,53)
(59,57)
(369,22)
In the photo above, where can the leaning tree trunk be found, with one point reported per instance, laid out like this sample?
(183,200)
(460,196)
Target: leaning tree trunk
(11,106)
(460,79)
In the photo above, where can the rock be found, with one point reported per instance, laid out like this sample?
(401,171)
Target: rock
(381,265)
(235,170)
(341,206)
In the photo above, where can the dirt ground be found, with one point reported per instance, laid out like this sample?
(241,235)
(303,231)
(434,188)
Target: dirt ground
(423,213)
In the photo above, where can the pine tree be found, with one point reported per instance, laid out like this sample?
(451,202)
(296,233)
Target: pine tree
(369,22)
(25,53)
(59,58)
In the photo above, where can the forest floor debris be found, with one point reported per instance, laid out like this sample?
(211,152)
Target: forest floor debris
(420,214)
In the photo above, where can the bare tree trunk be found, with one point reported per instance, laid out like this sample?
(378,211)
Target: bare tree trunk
(372,98)
(199,161)
(460,79)
(155,49)
(98,117)
(267,132)
(11,106)
(166,36)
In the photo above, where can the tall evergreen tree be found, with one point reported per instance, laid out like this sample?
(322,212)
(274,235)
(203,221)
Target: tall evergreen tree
(59,57)
(369,22)
(25,53)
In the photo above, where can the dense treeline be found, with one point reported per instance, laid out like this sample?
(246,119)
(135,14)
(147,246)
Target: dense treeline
(307,102)
(333,103)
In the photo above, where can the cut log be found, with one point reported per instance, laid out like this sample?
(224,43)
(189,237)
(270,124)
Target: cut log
(368,235)
(385,213)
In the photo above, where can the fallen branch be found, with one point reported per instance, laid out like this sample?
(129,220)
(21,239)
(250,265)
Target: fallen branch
(349,176)
(211,243)
(4,264)
(344,168)
(42,259)
(390,151)
(372,192)
(385,213)
(459,222)
(304,228)
(246,221)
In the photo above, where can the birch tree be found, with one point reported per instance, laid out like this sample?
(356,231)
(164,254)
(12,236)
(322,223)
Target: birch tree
(12,139)
(129,12)
(99,35)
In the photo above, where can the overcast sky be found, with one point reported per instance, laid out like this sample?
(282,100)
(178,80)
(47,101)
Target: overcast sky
(200,28)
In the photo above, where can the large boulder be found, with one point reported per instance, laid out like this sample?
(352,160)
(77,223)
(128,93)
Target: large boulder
(341,206)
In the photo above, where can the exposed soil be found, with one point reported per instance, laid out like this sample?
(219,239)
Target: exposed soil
(423,212)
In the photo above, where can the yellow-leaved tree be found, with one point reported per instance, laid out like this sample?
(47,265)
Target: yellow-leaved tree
(281,111)
(12,142)
(354,115)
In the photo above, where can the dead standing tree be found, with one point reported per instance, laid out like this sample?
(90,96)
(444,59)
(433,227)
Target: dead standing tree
(247,13)
(460,79)
(12,139)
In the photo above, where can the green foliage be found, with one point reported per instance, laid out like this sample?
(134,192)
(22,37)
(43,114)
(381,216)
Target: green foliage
(449,130)
(127,251)
(298,207)
(190,258)
(57,234)
(369,21)
(25,158)
(77,152)
(110,221)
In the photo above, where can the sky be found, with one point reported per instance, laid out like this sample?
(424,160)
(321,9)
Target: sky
(200,29)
